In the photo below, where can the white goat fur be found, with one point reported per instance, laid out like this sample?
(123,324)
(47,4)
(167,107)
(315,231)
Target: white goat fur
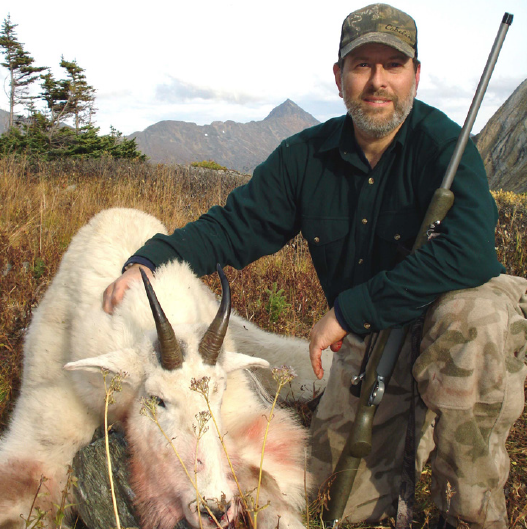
(59,409)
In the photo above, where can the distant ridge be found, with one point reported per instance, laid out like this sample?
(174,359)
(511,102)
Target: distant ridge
(238,146)
(503,144)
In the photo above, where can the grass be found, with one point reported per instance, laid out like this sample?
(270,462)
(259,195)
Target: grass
(43,206)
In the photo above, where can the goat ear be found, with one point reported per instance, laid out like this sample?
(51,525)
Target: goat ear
(233,361)
(123,361)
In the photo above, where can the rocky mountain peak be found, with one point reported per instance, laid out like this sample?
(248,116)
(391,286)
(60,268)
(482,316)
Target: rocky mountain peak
(290,109)
(238,146)
(503,144)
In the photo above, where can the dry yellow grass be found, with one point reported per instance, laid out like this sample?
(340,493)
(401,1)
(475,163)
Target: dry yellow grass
(42,207)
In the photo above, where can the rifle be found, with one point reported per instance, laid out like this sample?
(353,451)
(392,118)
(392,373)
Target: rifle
(386,345)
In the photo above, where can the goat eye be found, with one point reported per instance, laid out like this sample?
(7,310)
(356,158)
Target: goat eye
(160,402)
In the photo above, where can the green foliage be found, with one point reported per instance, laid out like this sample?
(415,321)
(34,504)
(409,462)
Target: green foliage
(32,141)
(66,99)
(45,135)
(81,95)
(5,388)
(19,63)
(209,164)
(277,303)
(39,268)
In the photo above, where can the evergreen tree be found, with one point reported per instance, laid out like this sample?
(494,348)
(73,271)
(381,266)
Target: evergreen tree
(45,135)
(22,73)
(70,98)
(81,96)
(56,96)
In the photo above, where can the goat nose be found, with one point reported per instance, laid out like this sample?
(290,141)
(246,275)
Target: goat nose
(214,511)
(225,513)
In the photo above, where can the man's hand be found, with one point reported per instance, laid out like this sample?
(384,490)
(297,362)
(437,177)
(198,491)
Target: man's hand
(324,333)
(114,293)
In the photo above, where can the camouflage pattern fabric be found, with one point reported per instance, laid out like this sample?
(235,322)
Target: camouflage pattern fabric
(470,375)
(380,23)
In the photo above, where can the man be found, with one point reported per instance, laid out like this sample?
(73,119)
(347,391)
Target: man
(357,187)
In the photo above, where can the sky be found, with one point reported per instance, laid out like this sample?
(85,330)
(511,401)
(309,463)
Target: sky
(215,60)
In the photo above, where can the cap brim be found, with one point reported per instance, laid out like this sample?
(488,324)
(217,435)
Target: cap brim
(379,38)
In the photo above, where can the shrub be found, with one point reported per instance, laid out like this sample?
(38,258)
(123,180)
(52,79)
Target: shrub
(209,164)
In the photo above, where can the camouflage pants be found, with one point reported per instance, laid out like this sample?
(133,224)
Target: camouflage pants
(470,375)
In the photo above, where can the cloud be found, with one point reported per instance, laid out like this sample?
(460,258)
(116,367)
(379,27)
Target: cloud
(439,90)
(114,95)
(501,88)
(179,91)
(455,99)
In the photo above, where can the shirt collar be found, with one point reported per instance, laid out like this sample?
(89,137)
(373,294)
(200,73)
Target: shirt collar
(333,139)
(343,137)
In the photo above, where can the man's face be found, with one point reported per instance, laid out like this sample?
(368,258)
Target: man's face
(378,85)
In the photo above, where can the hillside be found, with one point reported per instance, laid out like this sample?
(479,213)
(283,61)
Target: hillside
(503,144)
(238,146)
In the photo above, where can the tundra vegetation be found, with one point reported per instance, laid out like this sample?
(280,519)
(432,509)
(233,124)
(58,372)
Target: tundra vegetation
(44,204)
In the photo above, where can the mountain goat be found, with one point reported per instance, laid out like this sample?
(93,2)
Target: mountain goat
(166,354)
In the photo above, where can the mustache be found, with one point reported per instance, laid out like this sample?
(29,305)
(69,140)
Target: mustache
(378,93)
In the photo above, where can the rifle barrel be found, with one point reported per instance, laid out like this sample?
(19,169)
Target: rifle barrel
(476,102)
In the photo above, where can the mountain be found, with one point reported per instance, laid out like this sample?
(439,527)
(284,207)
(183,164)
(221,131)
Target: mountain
(238,146)
(503,144)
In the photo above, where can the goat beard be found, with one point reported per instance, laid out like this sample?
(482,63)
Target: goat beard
(370,122)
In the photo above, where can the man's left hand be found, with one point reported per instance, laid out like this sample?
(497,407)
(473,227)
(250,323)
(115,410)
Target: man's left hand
(324,333)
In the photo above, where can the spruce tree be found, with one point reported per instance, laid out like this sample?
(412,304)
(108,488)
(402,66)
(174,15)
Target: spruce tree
(46,135)
(81,95)
(22,73)
(56,96)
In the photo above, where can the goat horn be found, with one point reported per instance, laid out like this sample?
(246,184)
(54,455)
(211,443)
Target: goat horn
(171,355)
(210,345)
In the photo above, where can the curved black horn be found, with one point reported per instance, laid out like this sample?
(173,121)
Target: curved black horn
(210,344)
(171,355)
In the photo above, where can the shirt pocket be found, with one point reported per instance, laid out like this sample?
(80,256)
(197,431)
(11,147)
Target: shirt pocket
(327,238)
(396,232)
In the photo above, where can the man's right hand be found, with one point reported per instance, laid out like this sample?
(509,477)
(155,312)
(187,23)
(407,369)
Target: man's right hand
(114,293)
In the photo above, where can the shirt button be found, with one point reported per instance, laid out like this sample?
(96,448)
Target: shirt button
(365,221)
(361,261)
(371,181)
(397,237)
(316,240)
(367,325)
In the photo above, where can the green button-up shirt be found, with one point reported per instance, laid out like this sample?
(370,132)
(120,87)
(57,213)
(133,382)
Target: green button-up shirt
(358,221)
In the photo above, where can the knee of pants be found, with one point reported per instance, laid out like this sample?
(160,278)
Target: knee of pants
(468,353)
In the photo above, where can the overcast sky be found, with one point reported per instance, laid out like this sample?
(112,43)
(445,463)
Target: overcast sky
(213,60)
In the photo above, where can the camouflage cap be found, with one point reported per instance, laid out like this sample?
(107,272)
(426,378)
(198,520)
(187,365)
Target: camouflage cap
(382,24)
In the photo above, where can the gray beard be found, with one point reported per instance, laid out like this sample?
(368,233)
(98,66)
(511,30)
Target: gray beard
(374,126)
